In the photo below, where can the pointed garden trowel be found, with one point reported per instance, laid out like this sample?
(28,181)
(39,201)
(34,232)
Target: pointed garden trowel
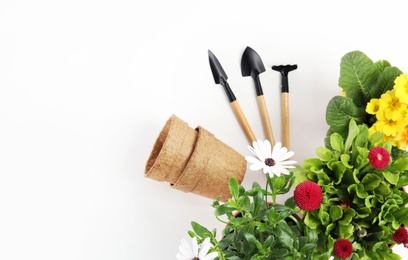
(251,65)
(220,77)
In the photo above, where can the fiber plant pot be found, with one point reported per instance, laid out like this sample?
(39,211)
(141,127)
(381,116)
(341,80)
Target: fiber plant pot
(194,160)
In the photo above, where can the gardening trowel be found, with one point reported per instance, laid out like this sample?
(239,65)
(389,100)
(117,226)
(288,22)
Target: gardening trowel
(251,65)
(220,77)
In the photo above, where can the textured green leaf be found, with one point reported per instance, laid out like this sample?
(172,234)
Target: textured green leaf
(345,160)
(311,221)
(385,81)
(353,132)
(399,165)
(382,65)
(358,74)
(357,189)
(337,142)
(371,181)
(391,177)
(336,212)
(324,153)
(340,110)
(346,231)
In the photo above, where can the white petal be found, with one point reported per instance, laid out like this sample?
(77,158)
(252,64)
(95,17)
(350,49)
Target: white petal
(252,150)
(284,171)
(256,166)
(266,169)
(287,163)
(280,154)
(251,159)
(182,257)
(185,249)
(255,151)
(265,148)
(285,156)
(210,256)
(204,248)
(258,148)
(276,149)
(195,247)
(275,170)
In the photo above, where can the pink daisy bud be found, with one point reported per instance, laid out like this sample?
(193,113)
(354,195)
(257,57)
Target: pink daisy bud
(308,195)
(343,248)
(400,235)
(344,205)
(379,158)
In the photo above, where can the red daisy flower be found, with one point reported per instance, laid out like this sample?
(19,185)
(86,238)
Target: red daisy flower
(308,195)
(400,235)
(379,158)
(343,248)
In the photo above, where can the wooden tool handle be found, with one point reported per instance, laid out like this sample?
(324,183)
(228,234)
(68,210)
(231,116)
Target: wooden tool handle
(285,120)
(243,121)
(265,119)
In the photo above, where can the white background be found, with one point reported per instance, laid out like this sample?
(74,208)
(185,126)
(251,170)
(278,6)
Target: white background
(86,86)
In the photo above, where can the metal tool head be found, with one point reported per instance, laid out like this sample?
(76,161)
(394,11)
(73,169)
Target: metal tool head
(284,69)
(251,63)
(218,72)
(220,77)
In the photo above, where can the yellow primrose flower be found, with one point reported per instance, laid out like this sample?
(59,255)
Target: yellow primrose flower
(402,138)
(401,87)
(390,126)
(391,105)
(373,106)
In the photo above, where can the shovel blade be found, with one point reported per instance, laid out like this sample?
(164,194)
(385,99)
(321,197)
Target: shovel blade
(251,63)
(216,69)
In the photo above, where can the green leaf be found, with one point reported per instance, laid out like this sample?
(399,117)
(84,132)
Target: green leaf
(357,189)
(278,253)
(337,142)
(200,230)
(345,160)
(353,131)
(348,216)
(376,137)
(385,81)
(324,216)
(392,178)
(399,165)
(224,209)
(233,186)
(371,181)
(340,110)
(346,231)
(358,74)
(382,65)
(324,153)
(336,212)
(252,239)
(382,190)
(311,221)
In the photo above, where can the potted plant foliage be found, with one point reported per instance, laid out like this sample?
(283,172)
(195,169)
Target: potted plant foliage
(348,202)
(256,226)
(363,167)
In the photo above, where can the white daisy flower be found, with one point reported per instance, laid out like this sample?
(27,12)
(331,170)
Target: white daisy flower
(272,161)
(196,252)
